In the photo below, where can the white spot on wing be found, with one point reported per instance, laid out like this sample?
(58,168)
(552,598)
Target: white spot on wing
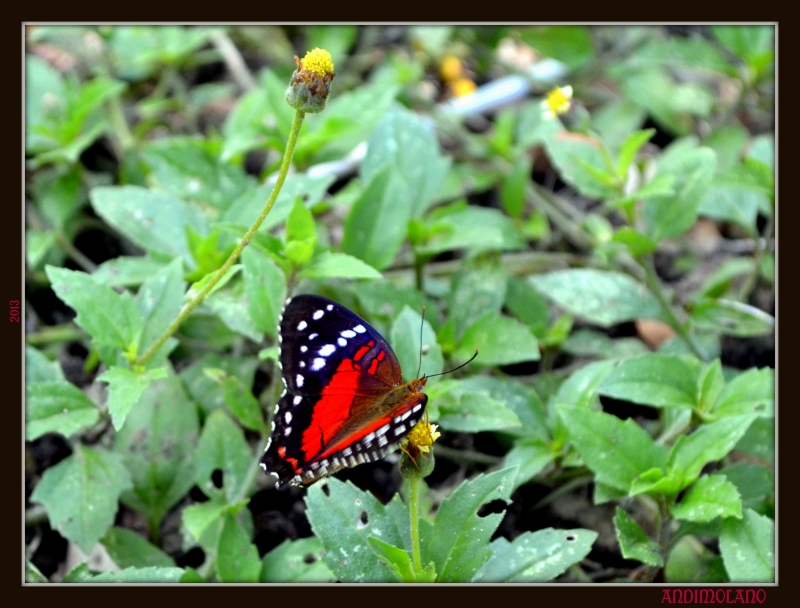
(287,417)
(302,325)
(318,364)
(303,348)
(382,430)
(342,342)
(297,400)
(299,380)
(327,350)
(400,430)
(329,307)
(347,333)
(359,329)
(302,363)
(318,315)
(312,336)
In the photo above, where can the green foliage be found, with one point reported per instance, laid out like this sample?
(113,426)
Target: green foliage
(552,286)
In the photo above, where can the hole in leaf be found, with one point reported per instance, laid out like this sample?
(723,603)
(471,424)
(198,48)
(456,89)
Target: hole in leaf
(494,506)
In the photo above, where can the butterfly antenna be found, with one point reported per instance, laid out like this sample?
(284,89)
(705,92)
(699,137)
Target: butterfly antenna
(421,325)
(456,368)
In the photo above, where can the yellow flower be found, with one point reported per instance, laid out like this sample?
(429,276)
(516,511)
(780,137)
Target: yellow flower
(311,82)
(423,436)
(318,61)
(557,102)
(450,69)
(462,87)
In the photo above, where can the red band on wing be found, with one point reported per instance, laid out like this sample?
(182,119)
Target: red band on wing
(332,410)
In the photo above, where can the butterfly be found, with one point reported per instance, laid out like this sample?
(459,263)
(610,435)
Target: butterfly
(344,401)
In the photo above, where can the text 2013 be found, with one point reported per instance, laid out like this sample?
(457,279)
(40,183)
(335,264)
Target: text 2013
(13,311)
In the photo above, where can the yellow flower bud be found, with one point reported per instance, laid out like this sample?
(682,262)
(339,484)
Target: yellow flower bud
(311,82)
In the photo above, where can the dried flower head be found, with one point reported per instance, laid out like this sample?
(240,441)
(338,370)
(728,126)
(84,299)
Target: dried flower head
(311,82)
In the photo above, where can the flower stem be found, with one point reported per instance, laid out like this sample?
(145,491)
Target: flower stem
(413,500)
(680,327)
(297,122)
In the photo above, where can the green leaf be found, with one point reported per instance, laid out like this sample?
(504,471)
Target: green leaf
(265,289)
(591,343)
(530,457)
(571,44)
(582,163)
(110,318)
(471,412)
(473,228)
(746,41)
(343,518)
(755,483)
(633,541)
(298,561)
(38,368)
(251,203)
(159,301)
(124,389)
(80,494)
(260,119)
(57,407)
(232,307)
(458,542)
(535,557)
(349,119)
(200,517)
(618,452)
(58,194)
(204,389)
(397,559)
(690,561)
(629,148)
(127,271)
(157,445)
(732,318)
(301,236)
(601,297)
(710,383)
(527,304)
(405,143)
(654,379)
(512,193)
(129,575)
(376,226)
(477,289)
(580,389)
(636,242)
(240,400)
(709,497)
(500,341)
(752,391)
(329,264)
(189,169)
(45,97)
(223,446)
(129,550)
(759,440)
(237,557)
(156,221)
(747,546)
(517,397)
(406,341)
(709,443)
(671,216)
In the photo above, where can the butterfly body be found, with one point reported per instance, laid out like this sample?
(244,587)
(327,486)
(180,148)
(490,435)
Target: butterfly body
(345,402)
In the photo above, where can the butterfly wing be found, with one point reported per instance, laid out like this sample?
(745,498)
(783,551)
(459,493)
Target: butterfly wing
(339,408)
